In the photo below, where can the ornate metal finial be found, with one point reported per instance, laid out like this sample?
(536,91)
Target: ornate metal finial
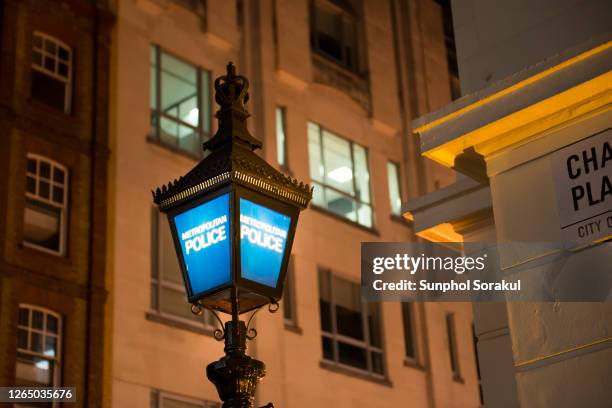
(231,93)
(231,90)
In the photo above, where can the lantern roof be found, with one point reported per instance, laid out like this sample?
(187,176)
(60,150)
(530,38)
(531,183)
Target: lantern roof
(232,158)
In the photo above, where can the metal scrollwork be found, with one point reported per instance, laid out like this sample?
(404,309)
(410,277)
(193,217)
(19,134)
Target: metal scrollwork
(219,333)
(273,306)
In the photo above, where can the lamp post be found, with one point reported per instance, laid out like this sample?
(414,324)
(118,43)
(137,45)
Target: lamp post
(233,218)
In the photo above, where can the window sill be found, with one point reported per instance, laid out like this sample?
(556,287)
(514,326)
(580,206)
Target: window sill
(293,327)
(354,372)
(340,218)
(413,364)
(177,324)
(174,149)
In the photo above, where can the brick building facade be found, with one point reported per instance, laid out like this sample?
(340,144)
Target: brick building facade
(54,124)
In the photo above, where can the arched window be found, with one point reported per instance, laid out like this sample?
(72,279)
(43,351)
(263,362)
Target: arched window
(46,205)
(38,347)
(51,71)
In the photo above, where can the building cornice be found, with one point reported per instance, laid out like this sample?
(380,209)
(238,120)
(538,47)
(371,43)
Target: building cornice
(572,89)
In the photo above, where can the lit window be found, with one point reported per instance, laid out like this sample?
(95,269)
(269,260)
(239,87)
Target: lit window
(38,347)
(409,332)
(161,399)
(51,71)
(452,346)
(339,173)
(281,138)
(46,205)
(168,296)
(395,195)
(351,330)
(180,103)
(289,299)
(334,27)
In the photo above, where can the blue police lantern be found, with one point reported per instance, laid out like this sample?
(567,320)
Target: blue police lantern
(233,216)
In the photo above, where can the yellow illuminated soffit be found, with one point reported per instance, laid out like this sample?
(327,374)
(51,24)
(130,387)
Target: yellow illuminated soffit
(590,96)
(442,233)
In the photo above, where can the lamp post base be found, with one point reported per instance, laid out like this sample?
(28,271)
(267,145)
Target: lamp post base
(236,375)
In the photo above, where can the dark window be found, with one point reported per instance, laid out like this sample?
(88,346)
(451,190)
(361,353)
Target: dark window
(334,30)
(409,331)
(452,345)
(289,299)
(451,49)
(475,342)
(51,72)
(351,330)
(180,103)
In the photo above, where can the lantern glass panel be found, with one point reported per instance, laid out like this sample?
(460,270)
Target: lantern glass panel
(263,238)
(203,233)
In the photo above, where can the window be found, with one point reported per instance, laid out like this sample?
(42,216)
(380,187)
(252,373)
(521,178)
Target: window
(395,195)
(38,347)
(409,332)
(452,346)
(180,103)
(46,205)
(451,49)
(339,173)
(161,399)
(281,138)
(351,330)
(51,72)
(289,300)
(168,297)
(334,25)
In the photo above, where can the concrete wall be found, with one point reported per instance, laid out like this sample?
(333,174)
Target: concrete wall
(560,350)
(497,38)
(151,355)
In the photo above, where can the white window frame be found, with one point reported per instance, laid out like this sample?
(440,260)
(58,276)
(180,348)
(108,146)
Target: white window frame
(280,119)
(49,201)
(67,80)
(57,358)
(392,164)
(325,186)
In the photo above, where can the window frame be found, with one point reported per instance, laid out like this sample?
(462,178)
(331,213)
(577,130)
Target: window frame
(155,129)
(354,18)
(291,322)
(324,186)
(64,209)
(68,81)
(208,321)
(453,352)
(282,111)
(399,186)
(410,331)
(57,359)
(365,344)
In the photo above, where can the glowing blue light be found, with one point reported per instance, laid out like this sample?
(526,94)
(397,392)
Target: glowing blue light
(204,235)
(263,236)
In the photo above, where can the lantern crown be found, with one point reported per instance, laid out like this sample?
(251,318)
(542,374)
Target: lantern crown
(231,156)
